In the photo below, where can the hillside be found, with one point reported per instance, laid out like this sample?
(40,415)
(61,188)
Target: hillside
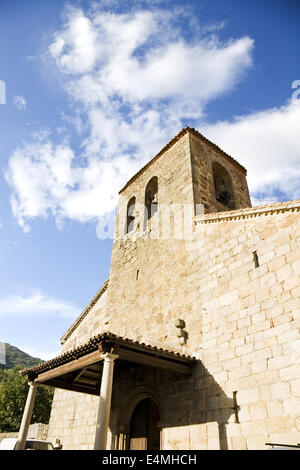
(16,357)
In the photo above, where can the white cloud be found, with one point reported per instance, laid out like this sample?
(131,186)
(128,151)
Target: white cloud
(37,303)
(181,71)
(267,144)
(46,180)
(78,41)
(40,175)
(143,56)
(133,79)
(19,102)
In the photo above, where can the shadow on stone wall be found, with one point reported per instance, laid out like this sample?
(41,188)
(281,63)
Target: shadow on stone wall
(182,401)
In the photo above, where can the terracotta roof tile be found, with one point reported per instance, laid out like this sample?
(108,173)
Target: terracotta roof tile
(92,345)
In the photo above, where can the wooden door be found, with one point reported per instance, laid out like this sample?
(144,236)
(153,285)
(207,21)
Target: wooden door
(144,433)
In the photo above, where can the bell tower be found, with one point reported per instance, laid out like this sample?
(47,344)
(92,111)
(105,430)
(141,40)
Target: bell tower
(190,169)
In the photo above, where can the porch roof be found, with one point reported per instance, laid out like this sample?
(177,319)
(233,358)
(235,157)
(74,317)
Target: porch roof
(80,369)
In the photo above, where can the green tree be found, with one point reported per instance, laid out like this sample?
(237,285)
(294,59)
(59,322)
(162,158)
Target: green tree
(13,394)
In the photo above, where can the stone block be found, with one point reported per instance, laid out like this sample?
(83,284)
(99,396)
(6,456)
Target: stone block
(258,411)
(279,424)
(280,362)
(258,366)
(274,408)
(248,396)
(233,430)
(280,390)
(295,387)
(290,373)
(291,406)
(238,443)
(213,443)
(256,442)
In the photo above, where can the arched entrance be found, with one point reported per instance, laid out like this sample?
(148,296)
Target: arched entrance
(144,433)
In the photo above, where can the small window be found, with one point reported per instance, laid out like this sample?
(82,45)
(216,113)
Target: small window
(130,215)
(255,259)
(151,198)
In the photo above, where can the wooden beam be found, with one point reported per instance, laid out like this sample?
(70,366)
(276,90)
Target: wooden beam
(77,375)
(85,380)
(71,366)
(92,374)
(152,361)
(97,367)
(72,387)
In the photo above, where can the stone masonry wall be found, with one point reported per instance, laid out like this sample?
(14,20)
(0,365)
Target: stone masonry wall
(250,321)
(73,419)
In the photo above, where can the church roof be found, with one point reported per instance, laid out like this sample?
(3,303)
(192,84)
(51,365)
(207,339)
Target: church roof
(85,312)
(180,134)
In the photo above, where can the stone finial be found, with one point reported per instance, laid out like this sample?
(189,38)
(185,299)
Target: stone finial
(182,335)
(180,323)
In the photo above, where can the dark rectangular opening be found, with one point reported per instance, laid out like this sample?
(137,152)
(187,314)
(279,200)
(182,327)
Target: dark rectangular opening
(255,259)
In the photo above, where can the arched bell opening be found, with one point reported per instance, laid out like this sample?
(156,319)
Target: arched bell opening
(130,216)
(151,198)
(223,186)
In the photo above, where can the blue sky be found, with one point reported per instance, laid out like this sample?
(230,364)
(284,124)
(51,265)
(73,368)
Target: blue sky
(93,91)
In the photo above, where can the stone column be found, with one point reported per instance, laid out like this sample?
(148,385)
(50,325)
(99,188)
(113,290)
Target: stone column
(123,437)
(20,445)
(120,436)
(104,401)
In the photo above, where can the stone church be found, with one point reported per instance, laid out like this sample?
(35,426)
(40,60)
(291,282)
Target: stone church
(194,340)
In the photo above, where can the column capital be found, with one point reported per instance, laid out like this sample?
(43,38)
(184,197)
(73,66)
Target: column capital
(109,356)
(32,384)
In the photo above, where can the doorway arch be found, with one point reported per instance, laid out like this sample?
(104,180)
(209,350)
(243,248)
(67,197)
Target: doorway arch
(123,409)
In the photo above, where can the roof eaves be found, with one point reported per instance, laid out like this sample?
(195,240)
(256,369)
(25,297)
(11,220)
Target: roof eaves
(92,345)
(250,212)
(172,142)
